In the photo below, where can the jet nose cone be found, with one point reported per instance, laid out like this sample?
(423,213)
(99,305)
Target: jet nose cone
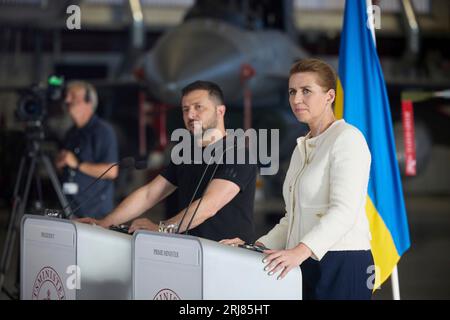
(193,52)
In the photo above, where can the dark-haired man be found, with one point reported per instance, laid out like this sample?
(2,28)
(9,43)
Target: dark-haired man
(226,208)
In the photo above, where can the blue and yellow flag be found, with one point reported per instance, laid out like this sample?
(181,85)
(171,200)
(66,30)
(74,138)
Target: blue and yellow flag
(363,102)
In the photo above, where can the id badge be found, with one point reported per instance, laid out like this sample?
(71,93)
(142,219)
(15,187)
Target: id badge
(70,188)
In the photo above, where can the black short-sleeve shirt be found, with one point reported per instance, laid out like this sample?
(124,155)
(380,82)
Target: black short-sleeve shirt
(96,142)
(235,219)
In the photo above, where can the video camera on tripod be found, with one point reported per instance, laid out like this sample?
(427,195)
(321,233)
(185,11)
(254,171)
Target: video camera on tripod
(32,109)
(34,103)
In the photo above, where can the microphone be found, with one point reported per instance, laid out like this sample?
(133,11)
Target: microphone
(201,197)
(141,165)
(196,189)
(193,196)
(124,164)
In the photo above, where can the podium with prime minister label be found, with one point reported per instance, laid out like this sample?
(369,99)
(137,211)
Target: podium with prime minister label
(67,260)
(173,266)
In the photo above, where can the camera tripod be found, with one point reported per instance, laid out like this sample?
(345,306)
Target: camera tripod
(31,159)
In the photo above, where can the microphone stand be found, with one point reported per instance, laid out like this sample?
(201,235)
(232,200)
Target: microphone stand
(125,163)
(196,189)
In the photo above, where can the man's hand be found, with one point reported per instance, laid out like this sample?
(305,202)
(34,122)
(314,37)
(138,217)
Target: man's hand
(101,222)
(232,242)
(66,158)
(285,260)
(143,224)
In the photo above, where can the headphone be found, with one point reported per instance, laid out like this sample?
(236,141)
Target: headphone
(87,96)
(90,95)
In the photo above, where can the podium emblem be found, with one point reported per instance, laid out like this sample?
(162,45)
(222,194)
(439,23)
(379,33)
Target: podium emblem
(166,294)
(48,285)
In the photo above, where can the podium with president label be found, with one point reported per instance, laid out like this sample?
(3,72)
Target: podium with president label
(173,266)
(67,260)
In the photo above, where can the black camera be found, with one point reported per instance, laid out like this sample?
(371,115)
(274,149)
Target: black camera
(33,102)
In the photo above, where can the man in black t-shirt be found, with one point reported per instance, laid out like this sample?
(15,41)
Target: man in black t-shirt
(236,217)
(223,201)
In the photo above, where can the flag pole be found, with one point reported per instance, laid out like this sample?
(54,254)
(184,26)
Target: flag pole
(370,20)
(394,275)
(395,284)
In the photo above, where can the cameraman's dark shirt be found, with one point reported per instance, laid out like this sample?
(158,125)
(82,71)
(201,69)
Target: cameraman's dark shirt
(96,142)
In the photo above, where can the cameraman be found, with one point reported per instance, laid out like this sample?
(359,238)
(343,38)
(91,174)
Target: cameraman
(89,148)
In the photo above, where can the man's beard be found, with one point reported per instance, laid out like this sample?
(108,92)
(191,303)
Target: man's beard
(200,136)
(211,124)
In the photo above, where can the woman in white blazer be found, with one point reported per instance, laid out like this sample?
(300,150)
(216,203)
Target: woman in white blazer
(325,228)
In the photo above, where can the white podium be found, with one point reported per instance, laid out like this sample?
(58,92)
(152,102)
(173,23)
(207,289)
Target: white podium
(67,260)
(173,266)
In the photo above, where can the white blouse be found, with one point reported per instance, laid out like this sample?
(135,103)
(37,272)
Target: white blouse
(325,192)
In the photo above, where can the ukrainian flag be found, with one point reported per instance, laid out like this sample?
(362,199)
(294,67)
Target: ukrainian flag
(362,101)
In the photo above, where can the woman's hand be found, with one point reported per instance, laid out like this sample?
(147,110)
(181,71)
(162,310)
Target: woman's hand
(285,260)
(232,242)
(142,223)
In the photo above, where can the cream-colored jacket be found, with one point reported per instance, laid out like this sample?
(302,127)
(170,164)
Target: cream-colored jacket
(325,192)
